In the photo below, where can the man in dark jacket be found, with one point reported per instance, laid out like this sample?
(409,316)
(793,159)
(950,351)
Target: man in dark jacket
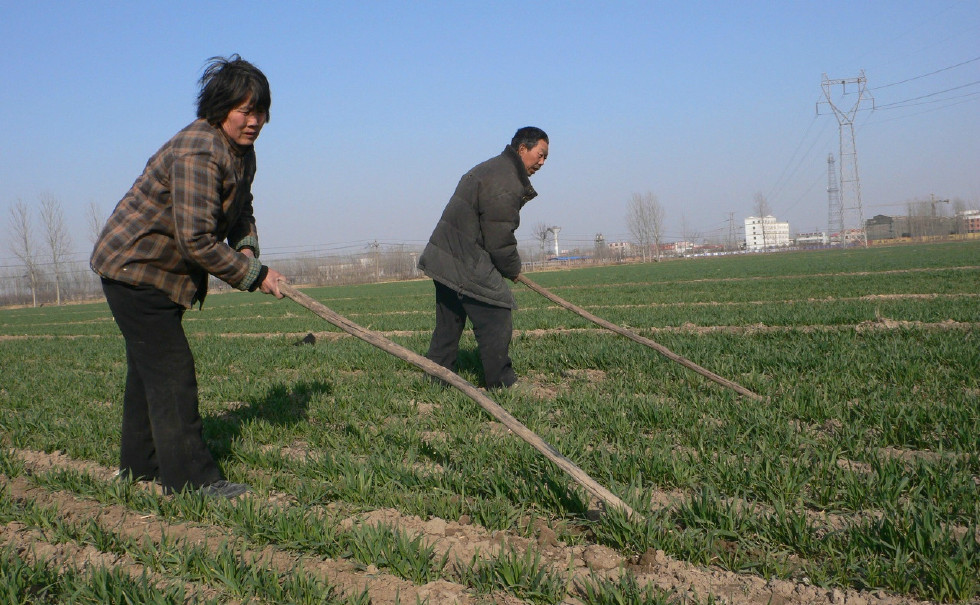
(472,250)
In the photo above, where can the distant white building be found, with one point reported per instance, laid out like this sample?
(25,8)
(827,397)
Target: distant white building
(682,247)
(620,249)
(765,233)
(817,238)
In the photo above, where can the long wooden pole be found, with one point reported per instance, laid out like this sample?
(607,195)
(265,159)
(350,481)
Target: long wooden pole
(434,369)
(687,363)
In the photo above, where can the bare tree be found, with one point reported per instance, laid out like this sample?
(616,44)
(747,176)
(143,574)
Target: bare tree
(645,220)
(57,237)
(920,218)
(691,235)
(762,210)
(22,244)
(541,233)
(95,221)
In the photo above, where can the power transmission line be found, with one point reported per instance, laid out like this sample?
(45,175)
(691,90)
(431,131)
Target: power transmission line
(963,99)
(897,104)
(776,191)
(931,73)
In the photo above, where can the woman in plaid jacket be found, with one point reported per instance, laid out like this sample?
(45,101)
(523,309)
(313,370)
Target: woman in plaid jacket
(187,216)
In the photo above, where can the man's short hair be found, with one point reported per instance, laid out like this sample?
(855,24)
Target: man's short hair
(529,137)
(226,84)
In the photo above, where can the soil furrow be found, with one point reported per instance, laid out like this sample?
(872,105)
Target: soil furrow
(460,539)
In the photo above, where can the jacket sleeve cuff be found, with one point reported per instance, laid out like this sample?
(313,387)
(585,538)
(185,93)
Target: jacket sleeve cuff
(254,276)
(249,241)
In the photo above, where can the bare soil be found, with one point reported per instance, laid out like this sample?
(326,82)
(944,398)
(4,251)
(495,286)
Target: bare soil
(461,539)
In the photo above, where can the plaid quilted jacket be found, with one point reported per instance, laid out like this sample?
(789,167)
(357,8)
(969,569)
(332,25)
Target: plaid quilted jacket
(188,215)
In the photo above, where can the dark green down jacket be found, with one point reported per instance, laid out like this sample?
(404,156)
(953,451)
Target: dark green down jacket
(473,247)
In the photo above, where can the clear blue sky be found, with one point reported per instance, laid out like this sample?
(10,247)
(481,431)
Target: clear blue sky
(379,107)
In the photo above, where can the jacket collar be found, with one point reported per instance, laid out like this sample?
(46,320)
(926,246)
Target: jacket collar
(529,192)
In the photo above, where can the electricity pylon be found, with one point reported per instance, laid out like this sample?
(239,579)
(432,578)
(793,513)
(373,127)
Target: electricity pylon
(850,183)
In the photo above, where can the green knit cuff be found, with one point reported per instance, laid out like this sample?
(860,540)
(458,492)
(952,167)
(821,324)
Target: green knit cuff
(254,269)
(249,241)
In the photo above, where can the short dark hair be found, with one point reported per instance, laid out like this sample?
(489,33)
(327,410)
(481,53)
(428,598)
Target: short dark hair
(226,84)
(528,136)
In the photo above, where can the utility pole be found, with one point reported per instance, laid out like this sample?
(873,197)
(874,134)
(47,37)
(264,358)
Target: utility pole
(935,228)
(835,210)
(850,182)
(377,260)
(730,245)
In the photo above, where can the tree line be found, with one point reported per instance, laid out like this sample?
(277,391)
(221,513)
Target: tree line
(45,251)
(42,244)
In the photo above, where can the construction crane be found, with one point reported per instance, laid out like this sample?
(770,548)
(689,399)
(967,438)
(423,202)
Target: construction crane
(934,201)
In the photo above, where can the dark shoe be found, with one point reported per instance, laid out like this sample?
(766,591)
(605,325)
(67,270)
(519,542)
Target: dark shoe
(224,489)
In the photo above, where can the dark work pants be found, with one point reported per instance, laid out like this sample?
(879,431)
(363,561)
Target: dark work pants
(161,429)
(492,327)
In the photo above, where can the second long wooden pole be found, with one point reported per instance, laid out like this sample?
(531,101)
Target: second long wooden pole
(687,363)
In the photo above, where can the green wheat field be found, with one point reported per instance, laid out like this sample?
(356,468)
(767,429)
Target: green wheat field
(858,476)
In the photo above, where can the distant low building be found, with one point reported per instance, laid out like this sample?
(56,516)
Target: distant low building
(852,237)
(765,233)
(682,247)
(707,249)
(970,220)
(882,226)
(621,249)
(812,240)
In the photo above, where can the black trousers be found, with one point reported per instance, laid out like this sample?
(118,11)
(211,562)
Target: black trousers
(492,327)
(162,435)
